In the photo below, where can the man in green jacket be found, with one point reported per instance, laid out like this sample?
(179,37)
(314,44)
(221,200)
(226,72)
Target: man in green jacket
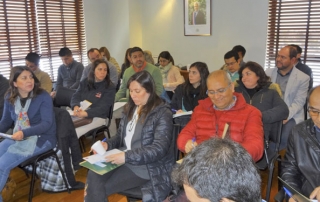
(138,64)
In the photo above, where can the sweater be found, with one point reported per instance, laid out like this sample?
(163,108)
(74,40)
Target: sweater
(100,97)
(69,76)
(174,78)
(41,117)
(123,92)
(44,79)
(245,125)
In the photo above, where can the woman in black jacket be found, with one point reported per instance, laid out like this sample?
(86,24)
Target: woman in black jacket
(258,91)
(98,90)
(145,137)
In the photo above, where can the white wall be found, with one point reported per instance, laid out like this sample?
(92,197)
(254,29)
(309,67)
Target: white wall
(157,25)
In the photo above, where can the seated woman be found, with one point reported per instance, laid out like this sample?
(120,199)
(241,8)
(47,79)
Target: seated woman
(258,91)
(30,109)
(188,94)
(98,90)
(145,137)
(32,61)
(171,76)
(127,62)
(106,54)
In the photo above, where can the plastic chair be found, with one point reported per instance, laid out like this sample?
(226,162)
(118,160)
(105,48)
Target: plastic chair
(271,155)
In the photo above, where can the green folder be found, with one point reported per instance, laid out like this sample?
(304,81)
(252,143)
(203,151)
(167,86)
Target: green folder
(97,169)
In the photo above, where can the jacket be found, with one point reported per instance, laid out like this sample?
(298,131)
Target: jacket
(301,164)
(245,126)
(296,92)
(269,102)
(156,151)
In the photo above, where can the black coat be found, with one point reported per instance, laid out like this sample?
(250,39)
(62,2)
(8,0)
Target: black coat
(156,151)
(4,85)
(301,165)
(269,102)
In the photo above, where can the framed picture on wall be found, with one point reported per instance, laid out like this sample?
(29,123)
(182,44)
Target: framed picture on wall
(197,17)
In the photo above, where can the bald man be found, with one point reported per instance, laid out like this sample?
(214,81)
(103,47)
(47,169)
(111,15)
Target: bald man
(224,106)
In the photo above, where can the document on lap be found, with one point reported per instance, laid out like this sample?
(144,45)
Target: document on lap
(182,114)
(96,158)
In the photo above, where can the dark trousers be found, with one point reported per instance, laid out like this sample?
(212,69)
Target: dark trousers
(99,187)
(286,131)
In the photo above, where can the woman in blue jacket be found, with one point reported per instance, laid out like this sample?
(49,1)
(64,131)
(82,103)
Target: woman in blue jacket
(29,108)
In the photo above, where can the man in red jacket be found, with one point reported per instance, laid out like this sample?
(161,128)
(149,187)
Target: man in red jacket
(224,106)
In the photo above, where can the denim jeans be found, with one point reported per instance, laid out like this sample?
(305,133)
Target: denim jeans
(8,161)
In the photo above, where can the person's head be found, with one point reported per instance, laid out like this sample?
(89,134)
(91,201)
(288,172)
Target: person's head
(98,73)
(252,75)
(137,57)
(148,56)
(240,50)
(165,58)
(127,58)
(218,170)
(220,89)
(231,59)
(299,51)
(22,81)
(66,56)
(314,105)
(105,52)
(196,6)
(286,58)
(198,74)
(94,54)
(142,93)
(32,61)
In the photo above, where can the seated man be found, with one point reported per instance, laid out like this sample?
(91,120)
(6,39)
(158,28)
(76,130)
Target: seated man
(69,73)
(32,62)
(93,55)
(232,63)
(241,52)
(300,168)
(139,64)
(218,170)
(224,106)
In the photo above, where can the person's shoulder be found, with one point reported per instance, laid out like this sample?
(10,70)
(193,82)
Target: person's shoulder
(301,75)
(78,64)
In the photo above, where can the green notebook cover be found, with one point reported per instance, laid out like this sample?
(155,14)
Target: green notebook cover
(97,169)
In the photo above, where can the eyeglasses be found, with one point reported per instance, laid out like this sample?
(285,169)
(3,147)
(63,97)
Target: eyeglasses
(313,112)
(218,92)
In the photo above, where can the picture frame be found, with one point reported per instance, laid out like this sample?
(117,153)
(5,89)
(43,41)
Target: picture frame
(197,17)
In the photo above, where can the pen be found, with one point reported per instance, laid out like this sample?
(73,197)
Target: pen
(193,141)
(174,110)
(105,139)
(289,193)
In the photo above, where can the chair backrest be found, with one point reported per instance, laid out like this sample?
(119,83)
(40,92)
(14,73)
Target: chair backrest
(275,135)
(110,115)
(63,96)
(176,130)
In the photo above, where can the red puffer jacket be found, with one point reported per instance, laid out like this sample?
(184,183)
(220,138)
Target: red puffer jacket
(245,126)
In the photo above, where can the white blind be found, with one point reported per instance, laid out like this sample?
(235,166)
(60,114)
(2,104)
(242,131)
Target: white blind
(295,22)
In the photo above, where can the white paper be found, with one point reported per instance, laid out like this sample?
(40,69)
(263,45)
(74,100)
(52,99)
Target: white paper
(5,136)
(100,158)
(85,104)
(118,105)
(182,114)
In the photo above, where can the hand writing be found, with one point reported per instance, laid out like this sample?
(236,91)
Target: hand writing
(18,135)
(189,146)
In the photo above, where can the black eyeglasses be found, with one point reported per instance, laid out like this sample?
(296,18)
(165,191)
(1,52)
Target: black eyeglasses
(313,112)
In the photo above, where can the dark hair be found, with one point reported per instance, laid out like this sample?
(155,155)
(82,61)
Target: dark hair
(204,72)
(146,81)
(65,52)
(292,51)
(136,49)
(105,51)
(126,61)
(13,91)
(91,50)
(34,58)
(258,70)
(220,168)
(91,77)
(299,49)
(166,55)
(231,54)
(239,48)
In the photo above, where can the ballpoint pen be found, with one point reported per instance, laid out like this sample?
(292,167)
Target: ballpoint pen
(193,141)
(289,193)
(174,110)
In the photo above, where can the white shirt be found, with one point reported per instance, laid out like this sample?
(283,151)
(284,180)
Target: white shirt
(131,128)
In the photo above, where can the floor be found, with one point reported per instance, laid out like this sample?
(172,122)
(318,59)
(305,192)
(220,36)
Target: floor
(77,196)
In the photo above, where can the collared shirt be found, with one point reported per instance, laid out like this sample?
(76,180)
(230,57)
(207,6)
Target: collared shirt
(229,107)
(69,76)
(282,80)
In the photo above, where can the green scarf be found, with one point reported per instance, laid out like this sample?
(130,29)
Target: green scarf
(164,72)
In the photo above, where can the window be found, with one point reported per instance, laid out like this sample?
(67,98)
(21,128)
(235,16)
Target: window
(42,26)
(295,22)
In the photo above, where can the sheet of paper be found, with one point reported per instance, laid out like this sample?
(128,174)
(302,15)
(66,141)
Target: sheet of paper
(118,105)
(85,104)
(182,114)
(5,136)
(100,158)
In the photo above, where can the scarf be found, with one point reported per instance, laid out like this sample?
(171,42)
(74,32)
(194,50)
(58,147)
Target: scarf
(136,69)
(164,72)
(27,146)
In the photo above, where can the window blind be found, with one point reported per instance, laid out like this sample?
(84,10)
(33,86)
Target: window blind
(295,22)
